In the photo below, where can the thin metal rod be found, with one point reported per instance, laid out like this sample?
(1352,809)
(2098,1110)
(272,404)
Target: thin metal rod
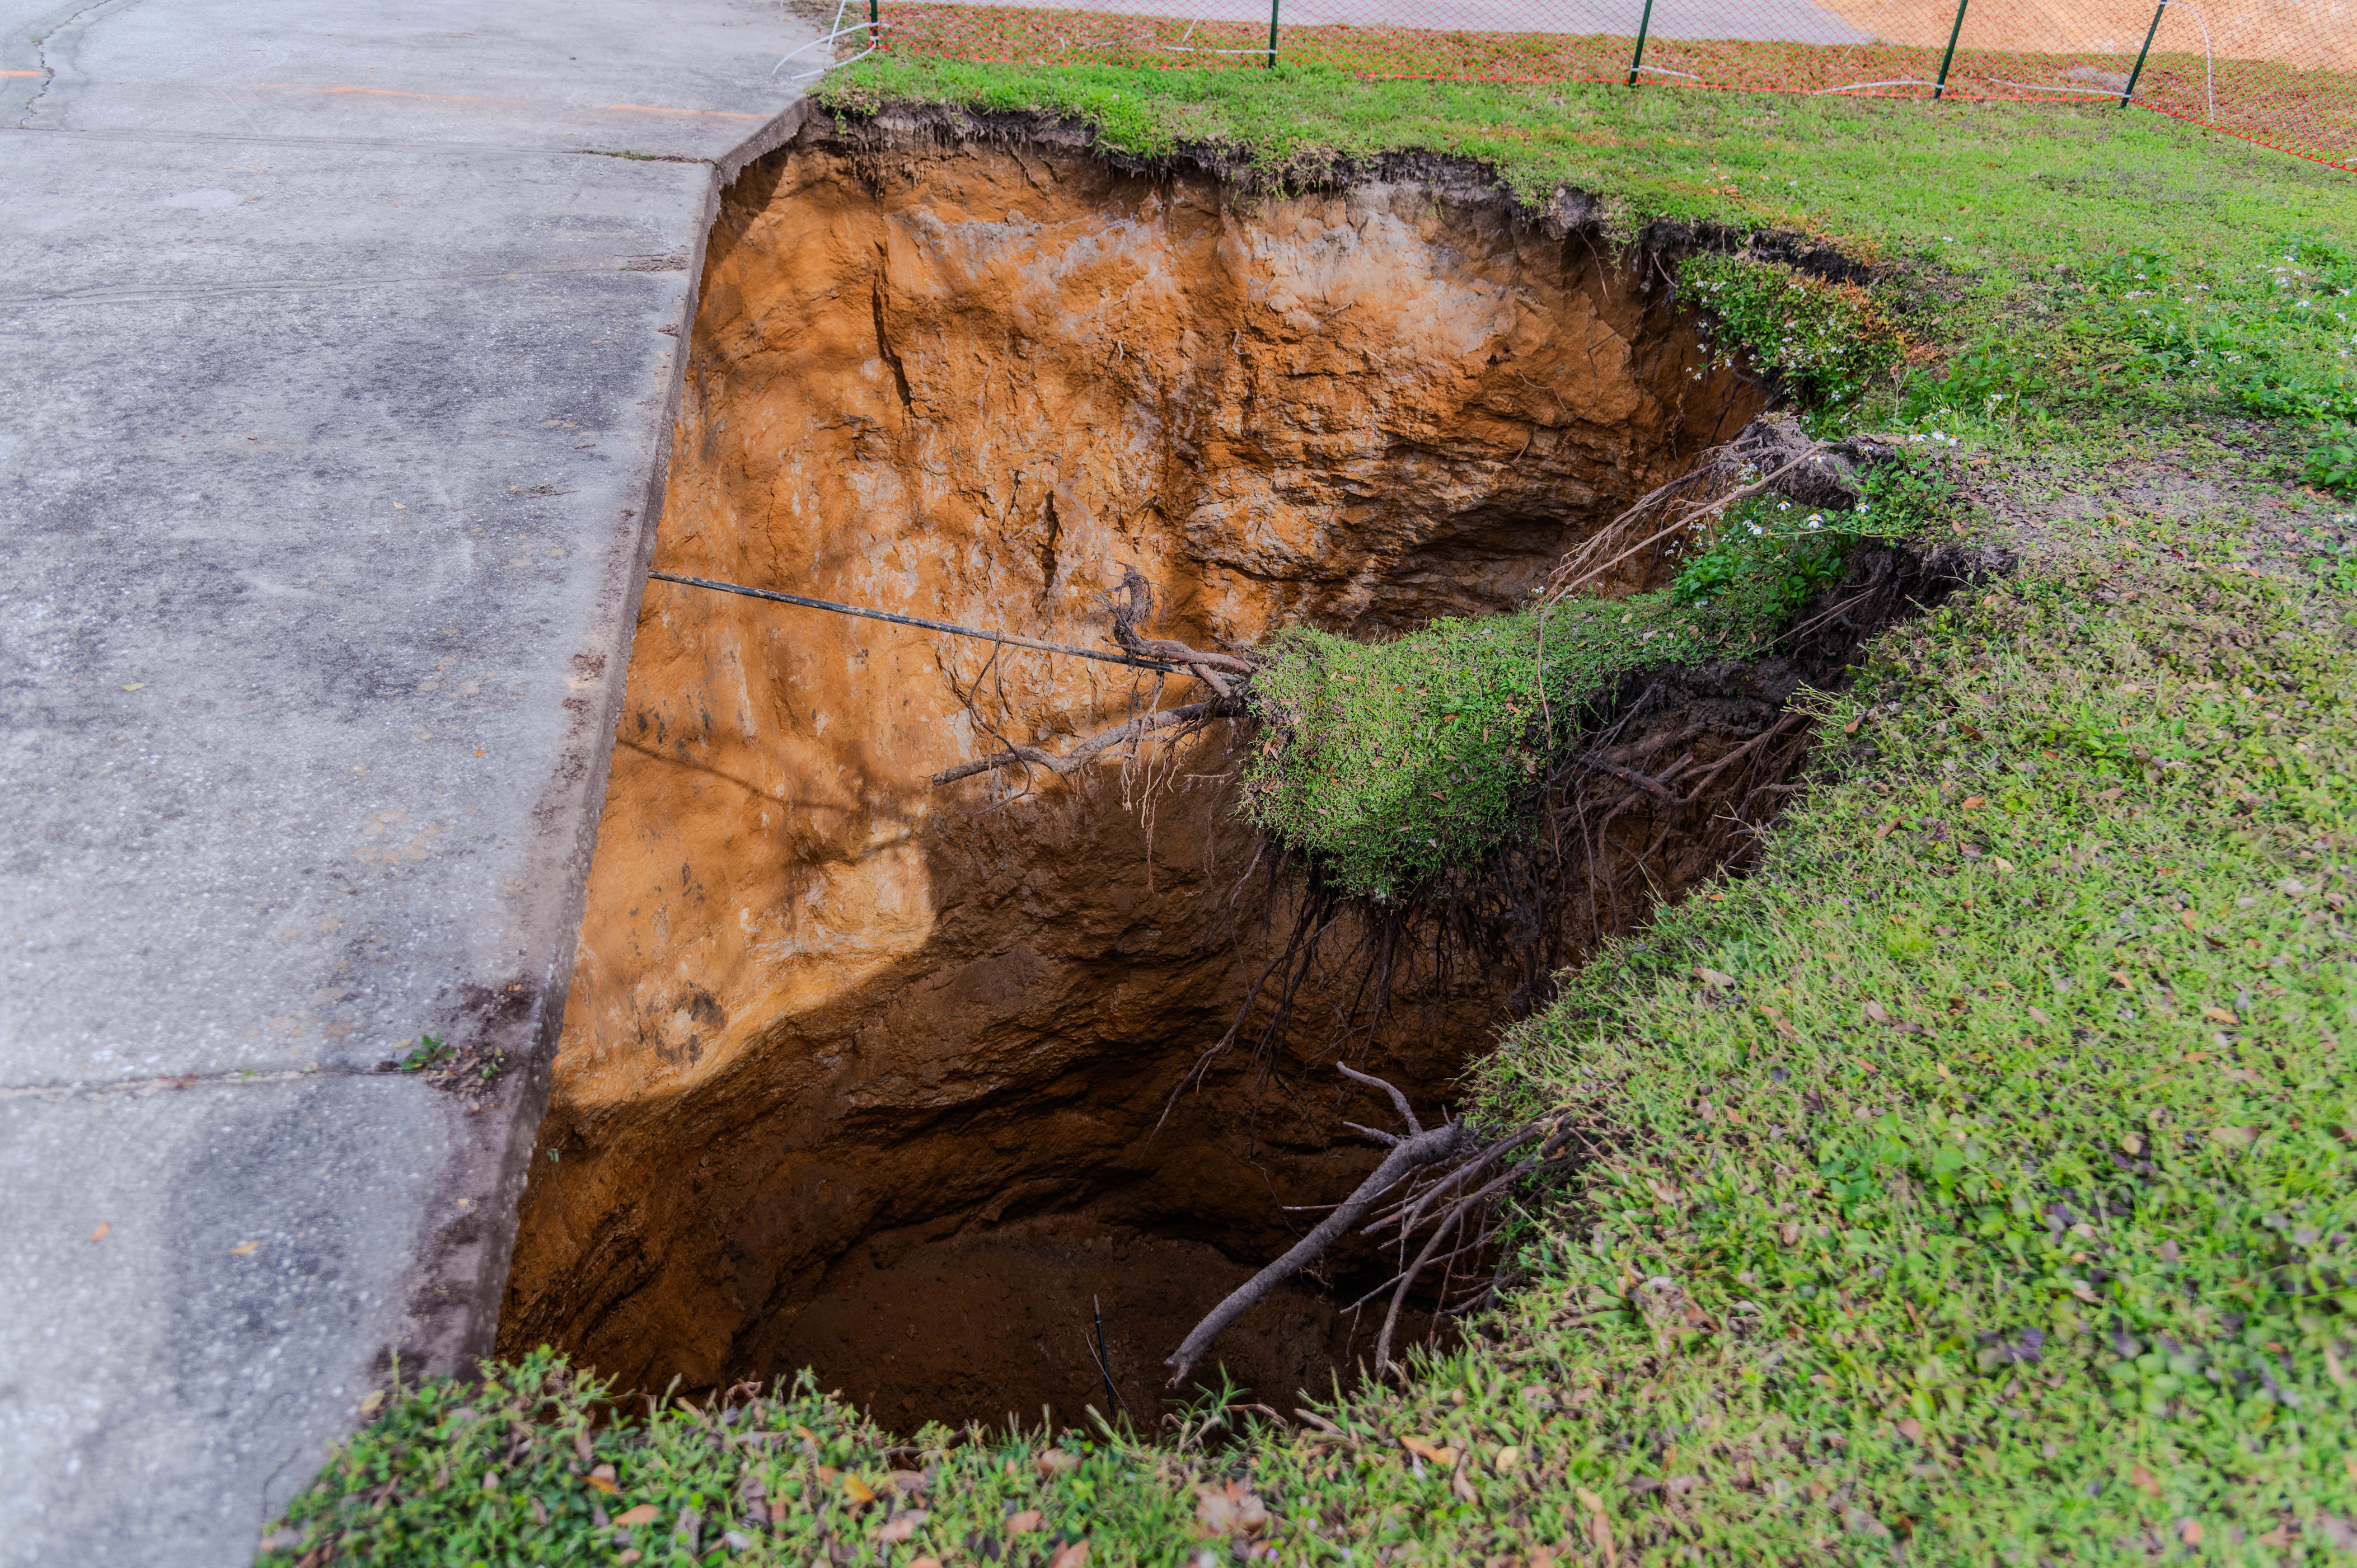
(1104,1362)
(1272,32)
(1644,25)
(1939,87)
(1011,642)
(2129,91)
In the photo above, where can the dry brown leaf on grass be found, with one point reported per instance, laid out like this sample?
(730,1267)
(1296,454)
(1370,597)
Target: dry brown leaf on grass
(1024,1523)
(602,1478)
(901,1528)
(1436,1453)
(1058,1462)
(1231,1509)
(1599,1527)
(2145,1481)
(1075,1555)
(645,1513)
(857,1491)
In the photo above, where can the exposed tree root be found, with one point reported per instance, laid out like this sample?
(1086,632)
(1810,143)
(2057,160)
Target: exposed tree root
(1097,745)
(1771,453)
(1131,603)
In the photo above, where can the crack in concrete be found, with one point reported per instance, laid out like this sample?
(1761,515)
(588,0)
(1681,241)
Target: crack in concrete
(142,1087)
(133,295)
(41,58)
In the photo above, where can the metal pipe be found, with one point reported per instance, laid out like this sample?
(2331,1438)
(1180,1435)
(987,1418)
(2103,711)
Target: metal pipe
(1165,667)
(1272,32)
(1644,25)
(2150,33)
(1939,87)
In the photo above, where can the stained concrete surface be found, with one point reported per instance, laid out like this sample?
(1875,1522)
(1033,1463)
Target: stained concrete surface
(338,398)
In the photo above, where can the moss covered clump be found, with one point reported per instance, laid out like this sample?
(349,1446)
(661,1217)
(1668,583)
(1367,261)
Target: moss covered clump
(1388,763)
(1828,340)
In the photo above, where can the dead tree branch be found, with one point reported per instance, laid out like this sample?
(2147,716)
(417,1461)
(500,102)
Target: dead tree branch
(1407,1155)
(1407,1114)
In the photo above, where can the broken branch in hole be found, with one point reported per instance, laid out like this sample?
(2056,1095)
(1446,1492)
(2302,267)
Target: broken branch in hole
(1407,1155)
(1464,1218)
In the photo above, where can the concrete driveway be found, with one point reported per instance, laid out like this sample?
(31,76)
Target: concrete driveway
(342,343)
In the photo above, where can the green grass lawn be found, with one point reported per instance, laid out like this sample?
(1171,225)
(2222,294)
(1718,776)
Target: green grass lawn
(1975,1181)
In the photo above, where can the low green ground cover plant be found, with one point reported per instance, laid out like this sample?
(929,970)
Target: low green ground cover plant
(1974,1181)
(1829,342)
(1388,762)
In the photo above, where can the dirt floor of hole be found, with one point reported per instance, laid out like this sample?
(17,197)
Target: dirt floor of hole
(884,1079)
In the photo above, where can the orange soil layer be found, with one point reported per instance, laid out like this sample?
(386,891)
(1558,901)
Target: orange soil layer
(832,1028)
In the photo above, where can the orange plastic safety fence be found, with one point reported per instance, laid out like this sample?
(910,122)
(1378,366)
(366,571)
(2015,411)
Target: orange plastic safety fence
(2281,73)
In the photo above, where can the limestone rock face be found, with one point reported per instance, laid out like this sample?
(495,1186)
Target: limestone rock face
(822,1008)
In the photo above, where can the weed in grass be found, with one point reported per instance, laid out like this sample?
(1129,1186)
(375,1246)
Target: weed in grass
(1827,341)
(2332,463)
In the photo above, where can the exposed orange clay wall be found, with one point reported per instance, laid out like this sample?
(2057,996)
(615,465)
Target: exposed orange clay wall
(819,1002)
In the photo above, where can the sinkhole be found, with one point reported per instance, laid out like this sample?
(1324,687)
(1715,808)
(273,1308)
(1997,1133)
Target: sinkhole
(908,1084)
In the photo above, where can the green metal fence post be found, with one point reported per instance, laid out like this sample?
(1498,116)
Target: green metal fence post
(2150,33)
(1644,25)
(873,19)
(1272,32)
(1940,89)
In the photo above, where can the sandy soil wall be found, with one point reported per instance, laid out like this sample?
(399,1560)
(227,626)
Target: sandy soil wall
(819,1003)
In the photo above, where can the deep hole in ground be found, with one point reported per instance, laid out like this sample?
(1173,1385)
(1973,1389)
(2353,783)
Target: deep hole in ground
(881,1079)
